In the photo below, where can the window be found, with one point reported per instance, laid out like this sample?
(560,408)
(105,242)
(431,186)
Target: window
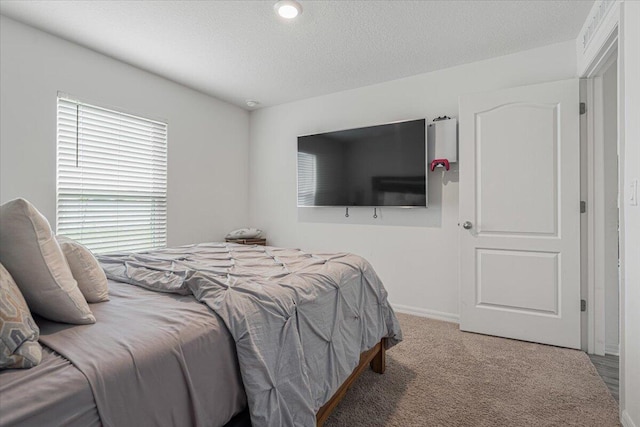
(306,179)
(112,178)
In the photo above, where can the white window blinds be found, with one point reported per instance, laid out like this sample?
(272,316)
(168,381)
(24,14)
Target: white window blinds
(112,178)
(306,179)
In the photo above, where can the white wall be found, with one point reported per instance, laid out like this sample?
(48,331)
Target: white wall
(630,85)
(208,138)
(418,264)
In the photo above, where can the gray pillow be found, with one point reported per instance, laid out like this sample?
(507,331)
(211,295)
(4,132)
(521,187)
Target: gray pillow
(91,279)
(19,347)
(31,254)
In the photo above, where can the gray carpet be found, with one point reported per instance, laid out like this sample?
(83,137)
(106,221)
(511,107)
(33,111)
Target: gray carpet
(439,376)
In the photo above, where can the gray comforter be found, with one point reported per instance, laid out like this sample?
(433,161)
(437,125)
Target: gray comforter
(299,320)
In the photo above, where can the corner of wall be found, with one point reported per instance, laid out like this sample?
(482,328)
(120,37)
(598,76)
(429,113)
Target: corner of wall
(626,420)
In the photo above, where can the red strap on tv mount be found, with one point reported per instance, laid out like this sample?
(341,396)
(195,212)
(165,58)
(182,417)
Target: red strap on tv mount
(439,162)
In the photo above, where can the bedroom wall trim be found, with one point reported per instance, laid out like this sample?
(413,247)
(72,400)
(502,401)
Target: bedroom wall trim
(424,312)
(612,349)
(626,420)
(596,32)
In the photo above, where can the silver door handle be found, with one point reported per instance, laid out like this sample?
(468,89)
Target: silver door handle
(467,225)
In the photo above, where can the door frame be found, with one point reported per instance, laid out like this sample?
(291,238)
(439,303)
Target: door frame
(598,42)
(595,263)
(595,192)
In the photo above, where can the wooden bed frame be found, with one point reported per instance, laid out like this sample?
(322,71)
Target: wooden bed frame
(375,357)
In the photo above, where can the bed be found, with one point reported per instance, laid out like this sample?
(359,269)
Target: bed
(201,335)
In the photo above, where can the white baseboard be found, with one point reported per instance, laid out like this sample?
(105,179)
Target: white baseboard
(612,349)
(424,312)
(626,419)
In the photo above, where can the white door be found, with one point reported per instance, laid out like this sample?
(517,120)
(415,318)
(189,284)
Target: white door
(520,213)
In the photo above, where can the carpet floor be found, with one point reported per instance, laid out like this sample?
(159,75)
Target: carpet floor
(439,376)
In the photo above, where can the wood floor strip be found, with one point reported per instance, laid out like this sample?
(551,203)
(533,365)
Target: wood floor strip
(608,368)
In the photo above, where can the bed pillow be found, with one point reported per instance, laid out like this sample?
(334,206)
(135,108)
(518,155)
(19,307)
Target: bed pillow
(31,254)
(91,279)
(19,347)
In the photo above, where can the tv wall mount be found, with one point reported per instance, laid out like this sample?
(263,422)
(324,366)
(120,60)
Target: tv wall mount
(375,212)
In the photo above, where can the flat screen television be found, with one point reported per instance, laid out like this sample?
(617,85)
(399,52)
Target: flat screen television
(375,166)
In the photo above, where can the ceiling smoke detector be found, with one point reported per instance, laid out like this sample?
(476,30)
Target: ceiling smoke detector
(288,9)
(251,103)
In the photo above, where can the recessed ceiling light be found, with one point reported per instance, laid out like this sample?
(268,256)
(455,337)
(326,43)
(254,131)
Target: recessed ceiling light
(288,9)
(251,103)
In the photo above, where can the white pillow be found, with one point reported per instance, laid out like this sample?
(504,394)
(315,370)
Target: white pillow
(31,254)
(85,268)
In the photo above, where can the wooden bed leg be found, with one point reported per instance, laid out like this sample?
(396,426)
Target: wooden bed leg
(375,357)
(379,362)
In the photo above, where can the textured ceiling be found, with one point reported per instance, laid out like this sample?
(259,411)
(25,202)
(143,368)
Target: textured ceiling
(240,50)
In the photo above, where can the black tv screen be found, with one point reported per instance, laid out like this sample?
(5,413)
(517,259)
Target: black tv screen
(382,165)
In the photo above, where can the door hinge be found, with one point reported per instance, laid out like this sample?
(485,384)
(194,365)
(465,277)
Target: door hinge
(583,305)
(583,108)
(583,206)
